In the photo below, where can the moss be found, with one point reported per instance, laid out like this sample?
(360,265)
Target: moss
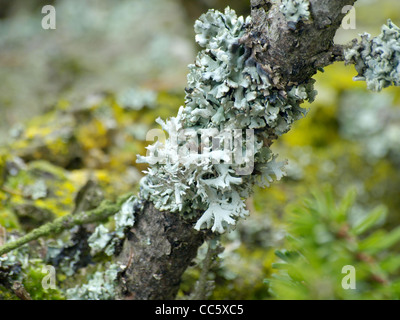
(33,283)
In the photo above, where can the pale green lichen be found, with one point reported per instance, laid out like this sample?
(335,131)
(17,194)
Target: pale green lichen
(377,60)
(227,91)
(12,264)
(36,191)
(99,239)
(67,264)
(103,240)
(137,99)
(295,10)
(373,122)
(101,286)
(125,217)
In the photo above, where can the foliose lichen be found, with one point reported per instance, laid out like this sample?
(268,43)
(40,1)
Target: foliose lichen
(227,91)
(377,60)
(101,286)
(373,122)
(137,99)
(103,240)
(12,264)
(295,10)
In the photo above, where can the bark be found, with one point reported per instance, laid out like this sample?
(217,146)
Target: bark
(292,53)
(156,252)
(161,245)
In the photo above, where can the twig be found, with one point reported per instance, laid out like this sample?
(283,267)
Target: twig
(9,191)
(20,291)
(204,287)
(105,210)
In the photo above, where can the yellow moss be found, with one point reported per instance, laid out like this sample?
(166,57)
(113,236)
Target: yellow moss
(103,176)
(340,77)
(56,206)
(93,135)
(8,219)
(122,116)
(37,132)
(57,146)
(21,144)
(79,177)
(63,105)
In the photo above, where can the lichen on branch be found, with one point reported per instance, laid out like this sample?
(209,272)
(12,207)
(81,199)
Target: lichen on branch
(295,10)
(102,212)
(377,60)
(227,90)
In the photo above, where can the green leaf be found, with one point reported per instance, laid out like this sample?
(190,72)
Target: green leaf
(391,264)
(370,220)
(345,205)
(380,240)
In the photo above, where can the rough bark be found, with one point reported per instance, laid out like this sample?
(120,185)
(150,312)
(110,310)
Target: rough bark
(292,53)
(161,245)
(156,252)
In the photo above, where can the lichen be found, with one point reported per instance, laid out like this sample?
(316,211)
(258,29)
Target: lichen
(125,217)
(377,60)
(373,122)
(295,10)
(101,286)
(100,238)
(137,99)
(103,240)
(228,92)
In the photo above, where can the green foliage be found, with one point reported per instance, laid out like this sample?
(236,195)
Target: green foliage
(325,236)
(33,283)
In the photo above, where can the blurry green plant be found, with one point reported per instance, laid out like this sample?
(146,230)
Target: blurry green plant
(323,237)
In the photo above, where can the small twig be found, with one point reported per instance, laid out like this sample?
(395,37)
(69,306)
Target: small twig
(105,210)
(3,236)
(20,291)
(9,191)
(203,286)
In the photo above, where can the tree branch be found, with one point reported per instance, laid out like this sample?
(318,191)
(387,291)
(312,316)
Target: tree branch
(156,252)
(162,244)
(294,52)
(101,213)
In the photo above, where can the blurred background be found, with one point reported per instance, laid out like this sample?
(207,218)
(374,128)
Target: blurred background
(76,103)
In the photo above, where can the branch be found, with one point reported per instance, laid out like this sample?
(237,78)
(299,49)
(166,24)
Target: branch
(156,252)
(295,51)
(204,287)
(101,213)
(254,78)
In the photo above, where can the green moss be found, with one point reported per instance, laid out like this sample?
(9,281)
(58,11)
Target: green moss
(33,283)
